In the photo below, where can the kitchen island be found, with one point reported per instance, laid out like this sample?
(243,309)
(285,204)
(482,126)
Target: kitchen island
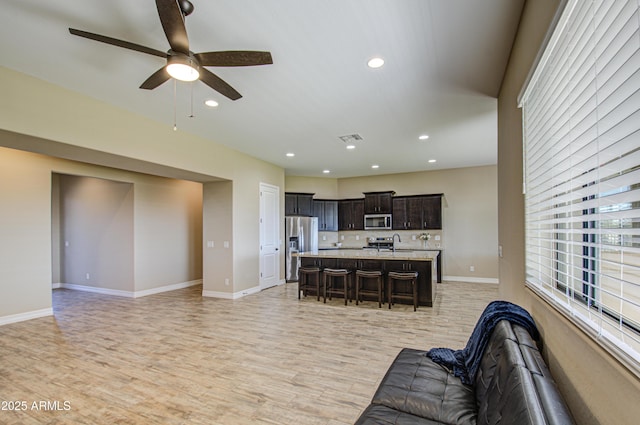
(423,262)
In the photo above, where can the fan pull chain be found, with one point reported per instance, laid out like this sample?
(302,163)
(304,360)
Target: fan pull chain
(191,116)
(175,119)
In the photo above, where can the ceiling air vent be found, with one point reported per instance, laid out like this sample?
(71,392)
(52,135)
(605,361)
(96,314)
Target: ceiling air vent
(350,138)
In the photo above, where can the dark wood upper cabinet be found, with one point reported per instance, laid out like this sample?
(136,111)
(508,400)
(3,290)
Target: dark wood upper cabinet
(298,204)
(327,213)
(421,212)
(378,202)
(399,212)
(351,214)
(432,212)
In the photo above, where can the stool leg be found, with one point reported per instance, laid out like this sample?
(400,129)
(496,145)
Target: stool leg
(379,282)
(390,290)
(415,295)
(324,284)
(302,284)
(346,288)
(358,279)
(318,285)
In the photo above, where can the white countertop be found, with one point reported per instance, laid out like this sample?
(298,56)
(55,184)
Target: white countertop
(372,254)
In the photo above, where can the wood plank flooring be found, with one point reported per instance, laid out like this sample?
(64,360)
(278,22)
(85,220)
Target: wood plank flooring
(179,358)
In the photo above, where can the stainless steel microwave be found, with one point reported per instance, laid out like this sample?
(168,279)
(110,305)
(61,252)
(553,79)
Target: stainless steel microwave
(377,221)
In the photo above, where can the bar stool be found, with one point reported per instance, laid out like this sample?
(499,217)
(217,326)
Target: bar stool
(330,276)
(304,280)
(361,276)
(411,277)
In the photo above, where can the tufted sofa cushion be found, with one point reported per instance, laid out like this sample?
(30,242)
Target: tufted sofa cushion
(377,414)
(416,385)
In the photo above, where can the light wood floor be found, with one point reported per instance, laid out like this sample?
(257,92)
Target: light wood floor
(179,358)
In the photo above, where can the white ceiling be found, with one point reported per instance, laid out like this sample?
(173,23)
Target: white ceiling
(445,60)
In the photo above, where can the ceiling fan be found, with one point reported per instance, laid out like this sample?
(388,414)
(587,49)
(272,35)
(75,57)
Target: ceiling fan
(182,63)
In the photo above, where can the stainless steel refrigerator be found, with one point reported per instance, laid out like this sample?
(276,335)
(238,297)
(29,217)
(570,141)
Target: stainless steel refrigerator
(301,235)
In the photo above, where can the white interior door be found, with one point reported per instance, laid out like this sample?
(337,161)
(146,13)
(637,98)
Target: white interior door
(269,235)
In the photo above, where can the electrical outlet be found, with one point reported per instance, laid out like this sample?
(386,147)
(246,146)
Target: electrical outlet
(472,268)
(226,244)
(210,244)
(88,276)
(226,282)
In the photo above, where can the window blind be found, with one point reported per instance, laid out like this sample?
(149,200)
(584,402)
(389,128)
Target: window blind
(581,131)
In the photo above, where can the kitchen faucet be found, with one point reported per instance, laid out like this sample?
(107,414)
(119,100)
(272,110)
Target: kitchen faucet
(393,239)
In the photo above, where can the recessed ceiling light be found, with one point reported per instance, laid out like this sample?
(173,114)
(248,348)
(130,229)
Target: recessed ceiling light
(291,154)
(211,103)
(431,161)
(326,171)
(375,166)
(424,137)
(375,62)
(351,146)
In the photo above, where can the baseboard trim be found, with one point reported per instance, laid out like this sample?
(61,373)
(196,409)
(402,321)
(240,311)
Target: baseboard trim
(231,295)
(97,290)
(278,283)
(130,294)
(21,317)
(471,279)
(167,288)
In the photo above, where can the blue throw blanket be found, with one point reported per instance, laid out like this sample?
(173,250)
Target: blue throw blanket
(464,363)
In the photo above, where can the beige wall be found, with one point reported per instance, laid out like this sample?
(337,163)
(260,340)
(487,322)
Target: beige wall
(322,188)
(25,234)
(96,232)
(597,388)
(218,228)
(168,231)
(115,222)
(470,221)
(36,115)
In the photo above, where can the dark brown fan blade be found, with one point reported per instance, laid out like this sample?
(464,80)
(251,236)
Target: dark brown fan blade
(119,43)
(173,25)
(216,83)
(234,58)
(157,78)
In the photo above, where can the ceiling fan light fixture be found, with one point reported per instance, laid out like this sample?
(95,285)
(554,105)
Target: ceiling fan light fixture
(183,68)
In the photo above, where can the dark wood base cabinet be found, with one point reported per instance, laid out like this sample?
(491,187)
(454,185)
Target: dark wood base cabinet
(425,269)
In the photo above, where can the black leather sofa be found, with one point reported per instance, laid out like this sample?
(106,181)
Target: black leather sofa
(512,386)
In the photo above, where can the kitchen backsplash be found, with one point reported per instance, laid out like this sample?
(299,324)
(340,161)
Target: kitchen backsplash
(410,239)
